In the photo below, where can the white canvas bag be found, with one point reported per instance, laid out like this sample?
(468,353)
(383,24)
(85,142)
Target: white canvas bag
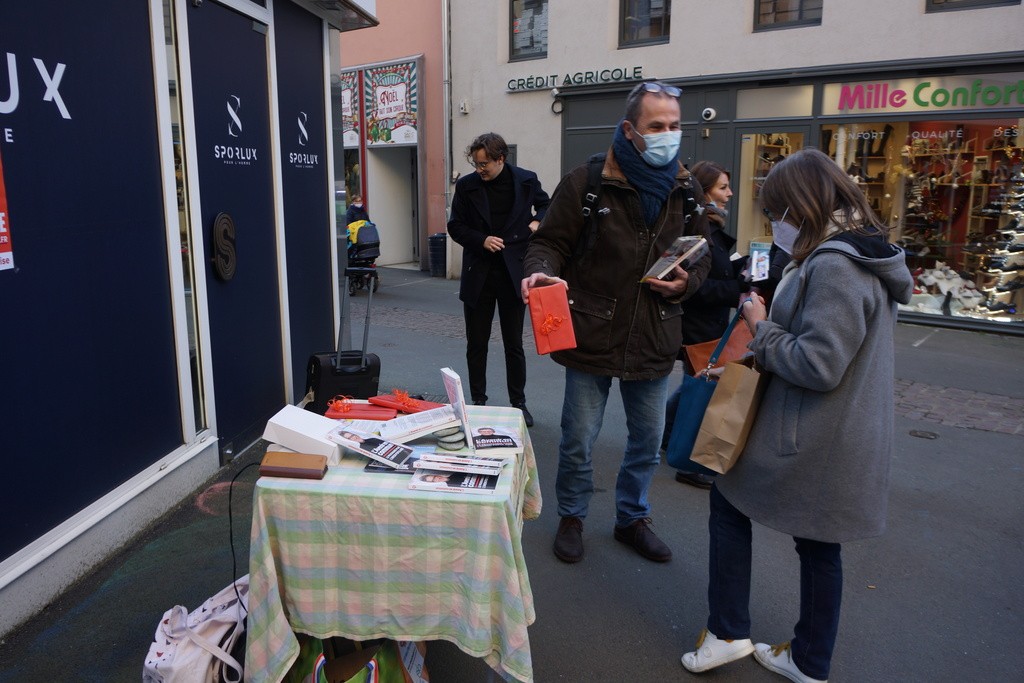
(196,647)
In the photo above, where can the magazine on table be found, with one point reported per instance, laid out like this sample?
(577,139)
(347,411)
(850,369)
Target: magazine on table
(408,467)
(489,440)
(683,252)
(457,399)
(466,458)
(372,446)
(414,425)
(456,467)
(453,482)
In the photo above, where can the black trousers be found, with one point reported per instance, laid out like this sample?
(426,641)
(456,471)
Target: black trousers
(498,290)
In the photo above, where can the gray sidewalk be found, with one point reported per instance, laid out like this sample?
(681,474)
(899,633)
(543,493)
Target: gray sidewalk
(935,599)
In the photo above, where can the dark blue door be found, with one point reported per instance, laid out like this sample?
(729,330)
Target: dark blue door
(232,118)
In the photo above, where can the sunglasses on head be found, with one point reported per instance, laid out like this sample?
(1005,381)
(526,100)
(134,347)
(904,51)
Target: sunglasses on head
(669,90)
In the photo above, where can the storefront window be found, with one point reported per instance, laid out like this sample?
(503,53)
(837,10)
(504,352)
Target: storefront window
(529,29)
(759,152)
(954,193)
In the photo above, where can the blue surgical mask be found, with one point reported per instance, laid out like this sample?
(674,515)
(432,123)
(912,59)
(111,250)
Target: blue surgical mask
(662,148)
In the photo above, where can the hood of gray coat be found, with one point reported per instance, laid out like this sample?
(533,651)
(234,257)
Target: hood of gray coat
(887,261)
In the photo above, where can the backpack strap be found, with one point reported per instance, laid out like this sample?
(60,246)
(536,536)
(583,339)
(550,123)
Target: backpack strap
(591,196)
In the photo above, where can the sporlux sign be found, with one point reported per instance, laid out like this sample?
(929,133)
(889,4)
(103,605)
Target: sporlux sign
(943,93)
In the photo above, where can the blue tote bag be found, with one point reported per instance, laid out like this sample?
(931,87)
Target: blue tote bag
(694,396)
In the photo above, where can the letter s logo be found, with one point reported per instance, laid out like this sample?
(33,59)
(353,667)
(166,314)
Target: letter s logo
(303,134)
(235,124)
(224,258)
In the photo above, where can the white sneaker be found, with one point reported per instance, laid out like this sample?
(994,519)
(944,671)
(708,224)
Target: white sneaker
(779,658)
(712,652)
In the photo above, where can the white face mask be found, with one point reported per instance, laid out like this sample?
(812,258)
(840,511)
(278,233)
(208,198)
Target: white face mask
(662,148)
(784,235)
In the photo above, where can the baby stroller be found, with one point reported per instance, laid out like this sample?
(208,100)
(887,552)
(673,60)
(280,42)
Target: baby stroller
(363,250)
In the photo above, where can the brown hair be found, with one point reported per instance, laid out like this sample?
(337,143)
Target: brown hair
(707,174)
(818,194)
(492,144)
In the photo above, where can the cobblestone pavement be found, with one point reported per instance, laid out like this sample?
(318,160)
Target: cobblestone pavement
(959,407)
(914,400)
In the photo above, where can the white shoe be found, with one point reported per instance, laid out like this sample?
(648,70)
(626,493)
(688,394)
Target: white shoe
(712,652)
(779,658)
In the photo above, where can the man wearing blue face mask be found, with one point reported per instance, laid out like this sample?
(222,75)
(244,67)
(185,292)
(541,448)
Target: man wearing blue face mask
(625,329)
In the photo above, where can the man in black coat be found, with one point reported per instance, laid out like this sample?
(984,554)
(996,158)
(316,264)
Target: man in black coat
(494,212)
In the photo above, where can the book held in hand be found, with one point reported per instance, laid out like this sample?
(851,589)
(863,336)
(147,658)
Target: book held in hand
(683,252)
(372,446)
(453,482)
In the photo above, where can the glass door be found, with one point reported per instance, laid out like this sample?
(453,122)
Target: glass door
(759,150)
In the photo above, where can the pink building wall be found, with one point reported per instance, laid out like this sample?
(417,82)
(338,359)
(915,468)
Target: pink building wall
(407,29)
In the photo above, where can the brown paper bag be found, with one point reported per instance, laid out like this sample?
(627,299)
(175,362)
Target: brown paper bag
(729,416)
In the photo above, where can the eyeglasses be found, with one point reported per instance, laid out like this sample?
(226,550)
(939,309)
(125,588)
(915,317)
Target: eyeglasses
(771,218)
(480,165)
(654,86)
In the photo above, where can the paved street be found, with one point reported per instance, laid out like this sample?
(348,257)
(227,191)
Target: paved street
(936,599)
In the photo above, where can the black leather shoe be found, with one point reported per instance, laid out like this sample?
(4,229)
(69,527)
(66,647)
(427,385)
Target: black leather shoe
(643,540)
(569,540)
(701,481)
(527,418)
(480,402)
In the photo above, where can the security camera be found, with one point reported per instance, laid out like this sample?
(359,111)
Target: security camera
(708,114)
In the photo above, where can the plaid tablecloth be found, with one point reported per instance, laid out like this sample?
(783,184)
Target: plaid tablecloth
(360,555)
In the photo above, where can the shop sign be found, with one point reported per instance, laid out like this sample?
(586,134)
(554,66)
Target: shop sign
(229,152)
(391,97)
(6,248)
(985,92)
(303,158)
(541,82)
(350,109)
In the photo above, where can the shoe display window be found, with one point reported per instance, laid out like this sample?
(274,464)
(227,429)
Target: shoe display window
(954,193)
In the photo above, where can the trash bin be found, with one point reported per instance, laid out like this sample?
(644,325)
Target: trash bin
(438,247)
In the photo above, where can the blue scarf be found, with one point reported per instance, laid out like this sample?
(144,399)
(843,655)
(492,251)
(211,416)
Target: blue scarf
(653,184)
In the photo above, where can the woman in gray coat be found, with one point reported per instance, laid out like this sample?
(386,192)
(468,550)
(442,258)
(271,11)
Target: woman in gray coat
(816,464)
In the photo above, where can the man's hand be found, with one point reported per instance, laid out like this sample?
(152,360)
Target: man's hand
(534,225)
(492,243)
(671,288)
(538,280)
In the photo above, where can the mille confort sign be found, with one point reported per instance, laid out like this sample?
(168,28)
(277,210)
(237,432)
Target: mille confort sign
(987,92)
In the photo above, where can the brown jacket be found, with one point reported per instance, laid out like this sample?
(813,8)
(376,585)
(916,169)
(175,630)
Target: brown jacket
(623,329)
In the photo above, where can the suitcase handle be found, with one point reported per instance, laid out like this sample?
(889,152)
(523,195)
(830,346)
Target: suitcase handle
(372,274)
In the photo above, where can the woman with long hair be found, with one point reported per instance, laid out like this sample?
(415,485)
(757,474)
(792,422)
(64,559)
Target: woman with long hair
(816,464)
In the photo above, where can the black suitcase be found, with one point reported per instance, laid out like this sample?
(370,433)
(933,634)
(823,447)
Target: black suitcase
(355,374)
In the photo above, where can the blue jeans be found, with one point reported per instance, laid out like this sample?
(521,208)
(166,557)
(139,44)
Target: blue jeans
(821,588)
(582,414)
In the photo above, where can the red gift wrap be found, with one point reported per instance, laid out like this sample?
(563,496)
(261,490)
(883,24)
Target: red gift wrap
(552,322)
